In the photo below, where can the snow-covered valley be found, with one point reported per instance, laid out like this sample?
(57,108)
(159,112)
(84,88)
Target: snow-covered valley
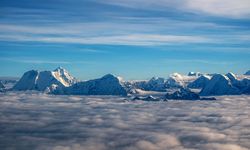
(34,120)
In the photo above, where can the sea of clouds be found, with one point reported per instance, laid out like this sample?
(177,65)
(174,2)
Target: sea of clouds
(49,122)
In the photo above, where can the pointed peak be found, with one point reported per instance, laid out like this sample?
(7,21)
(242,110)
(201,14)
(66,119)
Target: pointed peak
(59,68)
(231,76)
(157,79)
(247,73)
(31,72)
(205,76)
(194,73)
(230,73)
(176,74)
(220,77)
(120,79)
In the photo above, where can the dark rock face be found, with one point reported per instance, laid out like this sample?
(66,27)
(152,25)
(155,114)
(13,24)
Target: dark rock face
(245,86)
(194,74)
(1,85)
(183,94)
(208,98)
(2,88)
(148,98)
(154,84)
(231,77)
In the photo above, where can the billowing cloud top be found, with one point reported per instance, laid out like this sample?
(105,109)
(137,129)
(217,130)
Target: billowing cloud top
(39,121)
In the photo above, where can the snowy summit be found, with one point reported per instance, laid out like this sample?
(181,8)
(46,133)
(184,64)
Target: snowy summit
(35,80)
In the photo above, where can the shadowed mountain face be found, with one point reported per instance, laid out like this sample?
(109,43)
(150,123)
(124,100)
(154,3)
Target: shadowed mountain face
(247,73)
(28,81)
(183,94)
(200,82)
(107,85)
(219,85)
(1,85)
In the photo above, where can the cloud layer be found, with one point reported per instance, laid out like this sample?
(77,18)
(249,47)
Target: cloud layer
(221,8)
(39,121)
(119,22)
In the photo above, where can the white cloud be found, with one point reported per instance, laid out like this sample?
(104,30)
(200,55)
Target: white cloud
(218,146)
(132,39)
(31,60)
(34,61)
(202,61)
(39,121)
(145,32)
(226,8)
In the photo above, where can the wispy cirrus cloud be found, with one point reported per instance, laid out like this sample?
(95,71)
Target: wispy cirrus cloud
(136,39)
(131,39)
(139,31)
(31,60)
(226,8)
(221,8)
(200,61)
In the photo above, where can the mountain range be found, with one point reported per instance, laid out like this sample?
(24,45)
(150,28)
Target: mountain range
(59,81)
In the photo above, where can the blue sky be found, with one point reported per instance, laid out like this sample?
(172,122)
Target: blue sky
(135,39)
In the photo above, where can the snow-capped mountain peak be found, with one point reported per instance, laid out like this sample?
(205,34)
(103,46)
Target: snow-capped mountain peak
(28,81)
(106,85)
(219,85)
(231,76)
(200,82)
(63,76)
(35,80)
(176,75)
(194,74)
